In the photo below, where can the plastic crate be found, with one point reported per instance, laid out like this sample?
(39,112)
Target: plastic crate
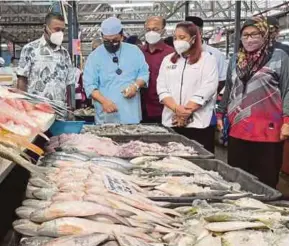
(60,127)
(248,182)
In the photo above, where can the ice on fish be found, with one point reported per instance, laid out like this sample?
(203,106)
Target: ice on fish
(34,241)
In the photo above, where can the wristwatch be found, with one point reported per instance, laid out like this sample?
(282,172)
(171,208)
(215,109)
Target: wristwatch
(137,86)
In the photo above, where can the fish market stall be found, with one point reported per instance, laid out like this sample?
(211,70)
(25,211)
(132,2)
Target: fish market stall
(76,199)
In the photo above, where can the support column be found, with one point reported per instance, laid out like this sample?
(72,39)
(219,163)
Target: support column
(0,45)
(227,43)
(237,25)
(75,29)
(14,50)
(187,8)
(70,28)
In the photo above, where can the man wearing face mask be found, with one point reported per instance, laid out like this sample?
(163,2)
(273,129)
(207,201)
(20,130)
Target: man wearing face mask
(45,66)
(113,75)
(155,50)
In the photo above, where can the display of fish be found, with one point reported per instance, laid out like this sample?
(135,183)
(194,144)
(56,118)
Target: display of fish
(117,129)
(92,145)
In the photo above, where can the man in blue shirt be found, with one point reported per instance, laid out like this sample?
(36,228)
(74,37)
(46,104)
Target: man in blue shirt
(113,76)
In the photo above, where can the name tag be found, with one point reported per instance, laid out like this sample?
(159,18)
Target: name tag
(171,67)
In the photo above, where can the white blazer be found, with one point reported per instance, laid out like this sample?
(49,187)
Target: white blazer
(185,82)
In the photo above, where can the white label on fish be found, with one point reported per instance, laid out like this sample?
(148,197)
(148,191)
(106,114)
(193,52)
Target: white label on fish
(117,185)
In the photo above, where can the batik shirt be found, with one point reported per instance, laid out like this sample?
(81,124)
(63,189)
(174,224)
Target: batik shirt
(48,71)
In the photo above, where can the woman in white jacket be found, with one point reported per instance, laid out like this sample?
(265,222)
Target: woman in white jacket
(187,86)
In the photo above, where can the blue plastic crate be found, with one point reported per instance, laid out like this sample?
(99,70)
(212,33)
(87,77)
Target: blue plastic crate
(60,127)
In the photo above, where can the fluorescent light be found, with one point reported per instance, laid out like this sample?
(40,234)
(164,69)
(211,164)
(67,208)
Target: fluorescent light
(285,31)
(131,5)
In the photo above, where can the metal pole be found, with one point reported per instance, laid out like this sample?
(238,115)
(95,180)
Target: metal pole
(75,29)
(14,50)
(70,28)
(0,45)
(187,9)
(227,43)
(237,25)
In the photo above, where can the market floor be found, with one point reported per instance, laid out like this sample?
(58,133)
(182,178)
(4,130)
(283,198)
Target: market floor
(283,186)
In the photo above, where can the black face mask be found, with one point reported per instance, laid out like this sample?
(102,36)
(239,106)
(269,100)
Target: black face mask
(111,47)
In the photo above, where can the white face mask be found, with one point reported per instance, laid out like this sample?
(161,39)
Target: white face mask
(56,38)
(181,46)
(152,37)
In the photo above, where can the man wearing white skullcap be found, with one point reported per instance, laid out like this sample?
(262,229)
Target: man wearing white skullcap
(113,75)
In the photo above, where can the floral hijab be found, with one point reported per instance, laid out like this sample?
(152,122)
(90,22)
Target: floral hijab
(249,63)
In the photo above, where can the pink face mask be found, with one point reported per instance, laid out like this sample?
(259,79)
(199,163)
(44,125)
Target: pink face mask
(251,45)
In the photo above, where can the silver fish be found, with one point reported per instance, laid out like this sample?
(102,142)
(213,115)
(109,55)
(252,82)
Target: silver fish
(69,156)
(116,160)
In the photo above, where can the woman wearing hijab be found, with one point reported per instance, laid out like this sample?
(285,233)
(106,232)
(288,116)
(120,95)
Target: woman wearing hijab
(256,100)
(187,85)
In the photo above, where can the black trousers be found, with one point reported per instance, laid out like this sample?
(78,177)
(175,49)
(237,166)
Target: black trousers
(151,120)
(261,159)
(205,136)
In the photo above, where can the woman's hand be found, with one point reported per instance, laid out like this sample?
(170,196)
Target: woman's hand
(284,132)
(181,111)
(220,125)
(179,121)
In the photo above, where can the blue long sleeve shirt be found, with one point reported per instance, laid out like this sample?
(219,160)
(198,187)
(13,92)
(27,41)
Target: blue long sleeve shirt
(100,74)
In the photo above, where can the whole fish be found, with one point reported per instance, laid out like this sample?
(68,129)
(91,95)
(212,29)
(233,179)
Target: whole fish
(26,227)
(70,156)
(116,160)
(80,240)
(34,241)
(75,226)
(73,208)
(234,226)
(24,212)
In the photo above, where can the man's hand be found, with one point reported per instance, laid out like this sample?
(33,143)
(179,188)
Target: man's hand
(130,91)
(109,107)
(220,125)
(284,132)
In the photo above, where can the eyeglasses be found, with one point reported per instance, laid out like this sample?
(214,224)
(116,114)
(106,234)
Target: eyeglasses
(251,35)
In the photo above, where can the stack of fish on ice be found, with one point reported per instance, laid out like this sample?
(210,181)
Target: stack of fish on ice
(116,129)
(244,222)
(82,203)
(93,200)
(91,145)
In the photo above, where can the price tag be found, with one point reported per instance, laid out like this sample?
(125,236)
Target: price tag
(117,185)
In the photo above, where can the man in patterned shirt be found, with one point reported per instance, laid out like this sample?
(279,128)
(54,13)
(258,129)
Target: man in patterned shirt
(45,66)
